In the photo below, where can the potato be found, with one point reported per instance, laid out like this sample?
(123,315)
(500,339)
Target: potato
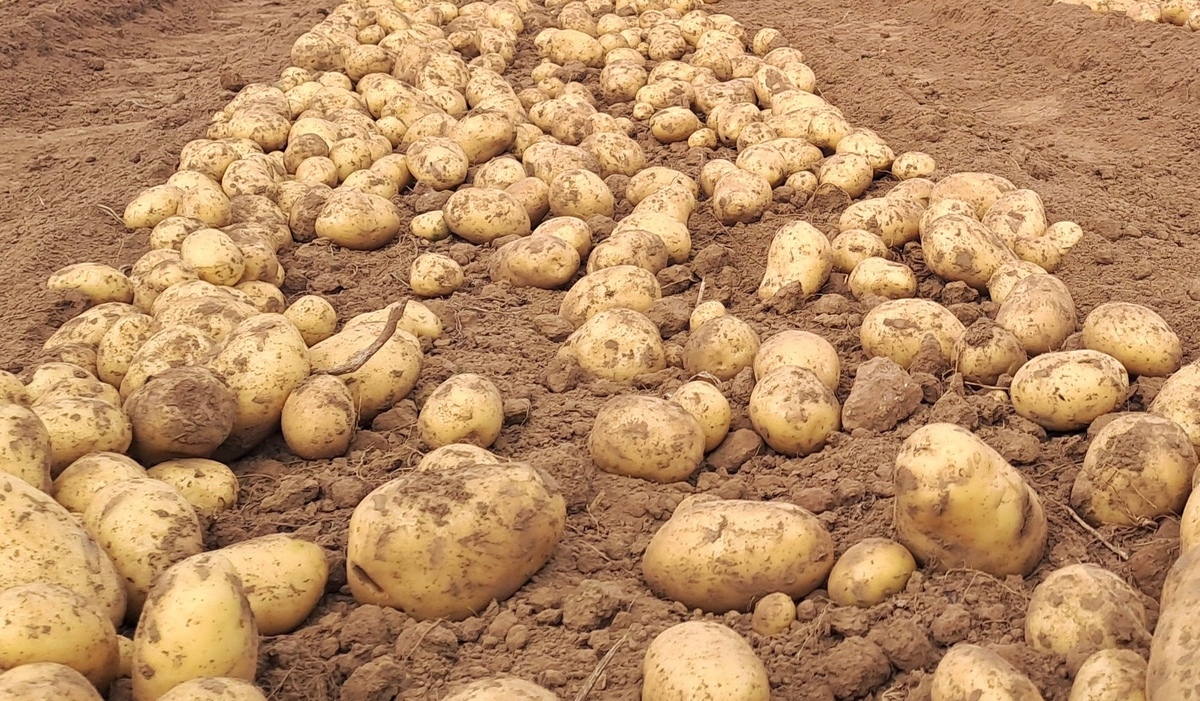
(209,486)
(1067,390)
(198,601)
(721,347)
(386,378)
(1081,609)
(870,572)
(12,391)
(848,172)
(960,504)
(793,410)
(533,195)
(89,327)
(85,388)
(773,614)
(358,220)
(574,231)
(435,275)
(1111,675)
(1039,311)
(170,232)
(895,329)
(184,412)
(960,248)
(214,689)
(262,361)
(970,672)
(74,486)
(438,162)
(674,124)
(985,352)
(722,555)
(882,278)
(319,418)
(46,680)
(647,438)
(46,622)
(265,297)
(799,253)
(802,349)
(667,227)
(171,347)
(765,160)
(980,190)
(1168,675)
(466,408)
(703,138)
(430,226)
(208,204)
(284,577)
(630,247)
(1135,335)
(152,205)
(95,282)
(913,164)
(413,541)
(740,197)
(895,220)
(314,317)
(616,344)
(618,287)
(482,215)
(501,689)
(852,246)
(457,455)
(703,659)
(705,312)
(25,448)
(214,315)
(1016,215)
(545,262)
(1049,249)
(78,426)
(708,406)
(916,190)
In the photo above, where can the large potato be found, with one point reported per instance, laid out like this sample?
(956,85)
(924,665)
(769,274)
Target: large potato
(89,327)
(74,486)
(46,622)
(721,347)
(1067,390)
(799,253)
(386,378)
(723,555)
(648,438)
(172,347)
(209,486)
(94,282)
(896,329)
(793,410)
(482,215)
(466,408)
(882,278)
(617,344)
(1111,675)
(980,190)
(444,544)
(618,287)
(870,572)
(960,248)
(119,344)
(184,412)
(78,426)
(960,504)
(25,448)
(546,262)
(283,576)
(970,672)
(580,193)
(46,680)
(803,349)
(1135,335)
(1170,674)
(1176,401)
(893,219)
(358,220)
(1039,311)
(319,418)
(741,197)
(1016,215)
(703,660)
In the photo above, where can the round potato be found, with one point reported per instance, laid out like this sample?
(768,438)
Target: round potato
(618,287)
(386,378)
(25,447)
(703,659)
(95,282)
(870,572)
(773,614)
(647,438)
(793,410)
(314,317)
(1039,311)
(46,622)
(973,673)
(482,215)
(283,576)
(802,349)
(214,689)
(986,351)
(46,680)
(709,407)
(1111,675)
(214,256)
(501,689)
(853,246)
(78,426)
(541,261)
(319,418)
(721,347)
(1135,335)
(466,408)
(434,275)
(358,220)
(580,193)
(616,344)
(457,455)
(74,486)
(209,486)
(184,412)
(913,164)
(957,247)
(1067,390)
(896,329)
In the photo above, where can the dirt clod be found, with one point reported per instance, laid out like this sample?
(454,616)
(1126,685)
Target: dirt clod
(883,395)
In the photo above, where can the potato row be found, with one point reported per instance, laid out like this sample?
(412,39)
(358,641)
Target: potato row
(1181,13)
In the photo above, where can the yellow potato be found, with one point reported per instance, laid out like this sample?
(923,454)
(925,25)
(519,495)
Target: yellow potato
(1039,311)
(358,220)
(184,412)
(46,622)
(209,486)
(482,215)
(773,614)
(793,410)
(95,282)
(913,164)
(152,205)
(741,197)
(46,680)
(853,246)
(25,447)
(435,275)
(986,351)
(319,418)
(799,253)
(283,576)
(176,346)
(214,689)
(847,172)
(1175,401)
(703,659)
(802,349)
(438,162)
(545,262)
(1135,335)
(386,378)
(500,688)
(1067,390)
(896,329)
(466,408)
(89,327)
(960,248)
(970,672)
(74,486)
(870,572)
(882,278)
(705,402)
(647,438)
(1111,675)
(314,317)
(617,344)
(979,190)
(895,220)
(78,426)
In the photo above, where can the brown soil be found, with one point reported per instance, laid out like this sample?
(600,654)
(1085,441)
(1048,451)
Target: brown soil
(1099,114)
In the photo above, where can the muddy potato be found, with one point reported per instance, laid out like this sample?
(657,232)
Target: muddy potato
(896,329)
(502,689)
(214,315)
(546,262)
(482,215)
(960,248)
(74,486)
(197,623)
(704,312)
(668,227)
(176,346)
(853,246)
(581,194)
(1067,390)
(1048,250)
(1110,675)
(456,455)
(438,162)
(616,344)
(674,124)
(704,401)
(773,614)
(759,548)
(183,412)
(434,275)
(1138,467)
(412,542)
(793,410)
(430,226)
(25,448)
(647,438)
(533,195)
(209,486)
(466,408)
(78,426)
(895,220)
(1135,335)
(635,247)
(499,173)
(12,390)
(319,418)
(152,205)
(1081,609)
(882,278)
(214,689)
(970,672)
(208,204)
(985,352)
(46,680)
(283,575)
(848,172)
(386,378)
(740,197)
(1039,311)
(358,220)
(960,504)
(618,287)
(703,659)
(980,190)
(1169,674)
(870,572)
(650,180)
(703,138)
(916,190)
(799,253)
(170,232)
(869,145)
(89,327)
(722,347)
(802,349)
(314,317)
(1016,215)
(574,231)
(913,164)
(265,297)
(95,282)
(40,379)
(46,622)
(86,388)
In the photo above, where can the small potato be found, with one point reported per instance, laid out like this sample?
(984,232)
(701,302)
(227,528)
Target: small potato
(435,275)
(1081,609)
(184,412)
(853,246)
(152,205)
(209,486)
(1039,311)
(318,418)
(616,344)
(960,248)
(882,278)
(618,287)
(802,349)
(358,220)
(960,504)
(722,347)
(870,572)
(545,262)
(741,197)
(580,193)
(314,317)
(973,673)
(283,576)
(214,689)
(793,410)
(46,622)
(78,426)
(430,226)
(773,614)
(46,680)
(466,408)
(95,282)
(482,215)
(799,253)
(414,542)
(706,403)
(12,390)
(1135,335)
(986,351)
(896,329)
(647,438)
(916,190)
(913,164)
(386,378)
(703,138)
(500,689)
(703,659)
(667,227)
(704,312)
(1067,390)
(1111,675)
(722,555)
(74,486)
(25,448)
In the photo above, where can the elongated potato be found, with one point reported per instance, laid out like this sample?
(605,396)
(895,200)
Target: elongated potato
(703,659)
(793,410)
(799,253)
(1039,311)
(1016,215)
(89,327)
(482,215)
(358,220)
(46,622)
(617,344)
(96,282)
(960,504)
(152,205)
(1067,390)
(647,438)
(741,197)
(466,408)
(283,576)
(1135,335)
(882,278)
(980,190)
(970,672)
(78,426)
(896,329)
(960,248)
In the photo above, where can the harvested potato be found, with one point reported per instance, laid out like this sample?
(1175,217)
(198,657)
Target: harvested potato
(195,603)
(500,689)
(896,329)
(960,248)
(46,680)
(980,190)
(25,447)
(853,246)
(635,247)
(209,486)
(78,426)
(283,576)
(985,352)
(758,548)
(214,256)
(46,622)
(1111,675)
(1174,401)
(1135,335)
(709,407)
(1007,276)
(895,220)
(184,412)
(970,672)
(1039,311)
(482,215)
(214,689)
(12,390)
(580,193)
(741,197)
(802,349)
(849,173)
(95,282)
(176,346)
(705,312)
(616,344)
(413,541)
(670,229)
(870,572)
(434,275)
(89,327)
(703,659)
(1016,215)
(793,410)
(913,164)
(882,278)
(1048,250)
(152,205)
(358,220)
(499,173)
(799,253)
(1067,390)
(773,614)
(916,190)
(314,317)
(319,418)
(545,262)
(74,486)
(430,226)
(386,378)
(960,504)
(722,347)
(574,231)
(466,408)
(674,124)
(1169,674)
(457,455)
(647,438)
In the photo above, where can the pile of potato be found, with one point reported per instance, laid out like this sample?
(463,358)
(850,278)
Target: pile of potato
(1181,13)
(119,443)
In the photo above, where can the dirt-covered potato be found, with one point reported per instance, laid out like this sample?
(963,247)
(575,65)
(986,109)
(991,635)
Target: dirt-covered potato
(386,378)
(882,278)
(1048,250)
(197,623)
(1135,335)
(541,261)
(74,486)
(960,504)
(896,329)
(1067,390)
(434,275)
(773,614)
(12,390)
(1081,609)
(580,193)
(721,347)
(264,296)
(704,401)
(1169,674)
(152,205)
(1111,675)
(214,256)
(650,180)
(793,410)
(913,164)
(741,196)
(46,680)
(916,189)
(1138,467)
(969,672)
(803,349)
(482,215)
(314,317)
(870,572)
(89,327)
(648,438)
(674,124)
(25,447)
(358,220)
(430,226)
(319,418)
(572,230)
(1039,311)
(670,229)
(980,190)
(723,555)
(799,253)
(184,412)
(467,408)
(46,622)
(413,542)
(457,455)
(705,312)
(616,344)
(895,220)
(95,282)
(214,689)
(853,246)
(960,248)
(848,172)
(438,162)
(1175,401)
(283,577)
(703,659)
(501,688)
(209,486)
(176,346)
(78,426)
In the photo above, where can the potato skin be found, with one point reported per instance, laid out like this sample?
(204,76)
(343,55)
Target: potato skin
(209,486)
(466,408)
(1170,675)
(184,412)
(1039,311)
(794,411)
(626,286)
(413,542)
(895,329)
(283,576)
(1067,390)
(539,260)
(617,344)
(703,660)
(358,220)
(722,347)
(705,402)
(758,548)
(214,689)
(647,438)
(78,426)
(960,248)
(46,680)
(801,348)
(25,449)
(49,623)
(482,215)
(1111,675)
(799,253)
(1135,335)
(869,572)
(973,673)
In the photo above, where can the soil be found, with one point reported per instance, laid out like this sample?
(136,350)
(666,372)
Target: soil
(1099,114)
